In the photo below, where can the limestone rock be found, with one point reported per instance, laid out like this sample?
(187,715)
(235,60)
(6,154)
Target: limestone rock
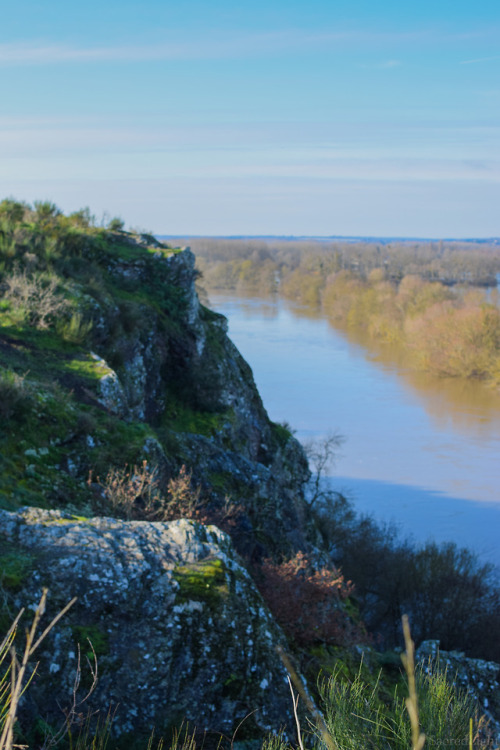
(179,630)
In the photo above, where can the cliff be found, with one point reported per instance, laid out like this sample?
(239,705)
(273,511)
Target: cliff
(128,367)
(124,406)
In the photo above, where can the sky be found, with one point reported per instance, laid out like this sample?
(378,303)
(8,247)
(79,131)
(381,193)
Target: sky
(276,117)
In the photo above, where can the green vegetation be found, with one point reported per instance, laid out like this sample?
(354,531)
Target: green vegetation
(181,416)
(204,582)
(356,716)
(282,432)
(423,297)
(14,568)
(91,640)
(15,397)
(72,309)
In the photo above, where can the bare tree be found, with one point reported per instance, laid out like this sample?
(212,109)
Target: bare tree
(322,454)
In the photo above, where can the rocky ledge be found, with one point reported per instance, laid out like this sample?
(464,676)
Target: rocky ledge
(170,613)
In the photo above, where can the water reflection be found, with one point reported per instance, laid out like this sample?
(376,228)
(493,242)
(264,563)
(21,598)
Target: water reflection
(467,523)
(417,446)
(466,405)
(246,305)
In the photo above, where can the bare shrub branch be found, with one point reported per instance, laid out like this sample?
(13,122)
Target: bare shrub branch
(36,297)
(322,455)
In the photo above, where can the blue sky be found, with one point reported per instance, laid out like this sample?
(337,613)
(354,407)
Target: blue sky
(278,117)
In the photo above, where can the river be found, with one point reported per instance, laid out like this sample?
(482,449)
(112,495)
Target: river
(419,451)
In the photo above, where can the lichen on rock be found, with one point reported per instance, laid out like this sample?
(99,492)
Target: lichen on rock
(181,631)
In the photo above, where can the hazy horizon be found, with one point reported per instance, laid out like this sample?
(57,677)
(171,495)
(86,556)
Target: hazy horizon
(346,118)
(326,237)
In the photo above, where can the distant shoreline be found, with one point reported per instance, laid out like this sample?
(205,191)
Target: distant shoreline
(330,238)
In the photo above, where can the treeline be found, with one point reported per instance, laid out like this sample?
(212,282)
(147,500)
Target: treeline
(261,263)
(447,331)
(425,297)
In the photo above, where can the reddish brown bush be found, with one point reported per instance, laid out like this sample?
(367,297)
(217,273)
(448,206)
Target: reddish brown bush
(307,603)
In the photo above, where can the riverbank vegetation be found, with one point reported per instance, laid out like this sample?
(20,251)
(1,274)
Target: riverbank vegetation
(447,592)
(432,300)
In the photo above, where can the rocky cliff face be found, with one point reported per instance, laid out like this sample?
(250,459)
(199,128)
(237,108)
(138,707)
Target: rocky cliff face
(178,628)
(233,448)
(131,371)
(149,375)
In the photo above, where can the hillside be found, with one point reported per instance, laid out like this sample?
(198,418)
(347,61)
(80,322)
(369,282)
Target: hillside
(122,396)
(109,360)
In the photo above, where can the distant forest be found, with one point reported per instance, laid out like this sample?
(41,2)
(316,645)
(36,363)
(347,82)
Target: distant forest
(229,263)
(437,300)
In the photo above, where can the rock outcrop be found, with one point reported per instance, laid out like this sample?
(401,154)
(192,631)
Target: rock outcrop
(178,628)
(144,372)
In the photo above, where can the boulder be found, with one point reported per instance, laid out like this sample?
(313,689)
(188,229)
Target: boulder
(179,631)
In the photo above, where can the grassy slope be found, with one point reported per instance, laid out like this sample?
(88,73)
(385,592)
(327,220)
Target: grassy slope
(54,427)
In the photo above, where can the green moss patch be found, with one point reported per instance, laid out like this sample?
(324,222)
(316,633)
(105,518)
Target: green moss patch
(181,417)
(82,634)
(87,367)
(15,567)
(204,581)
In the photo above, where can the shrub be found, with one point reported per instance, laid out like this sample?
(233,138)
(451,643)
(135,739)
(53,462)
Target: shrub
(307,603)
(12,210)
(135,494)
(447,592)
(128,493)
(46,213)
(357,718)
(183,498)
(15,397)
(35,297)
(116,224)
(83,219)
(76,329)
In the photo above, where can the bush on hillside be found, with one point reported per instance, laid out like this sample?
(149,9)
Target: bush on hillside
(308,603)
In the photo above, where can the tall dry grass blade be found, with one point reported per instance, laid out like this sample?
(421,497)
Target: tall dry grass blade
(295,701)
(294,677)
(54,621)
(408,659)
(18,671)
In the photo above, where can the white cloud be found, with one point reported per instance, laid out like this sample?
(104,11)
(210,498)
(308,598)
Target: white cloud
(217,45)
(480,60)
(37,53)
(385,65)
